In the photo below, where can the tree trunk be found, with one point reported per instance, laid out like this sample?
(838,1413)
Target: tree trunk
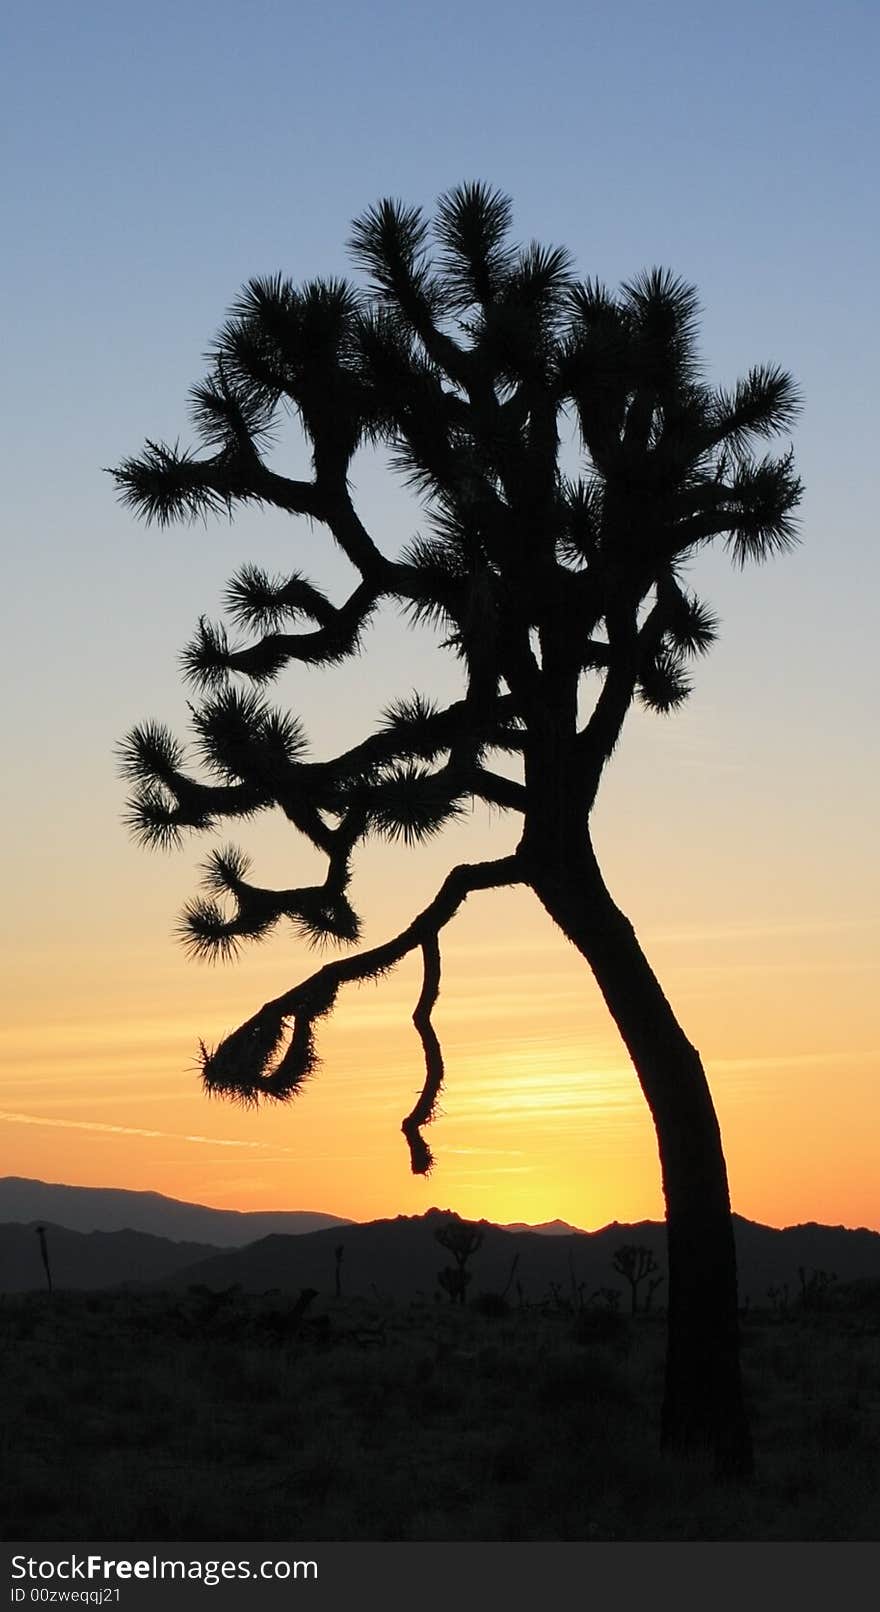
(703,1401)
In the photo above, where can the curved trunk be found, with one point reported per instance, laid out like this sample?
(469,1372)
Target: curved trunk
(703,1400)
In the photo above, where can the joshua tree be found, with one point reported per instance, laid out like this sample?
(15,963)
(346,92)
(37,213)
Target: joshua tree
(461,1239)
(817,1288)
(634,1262)
(562,597)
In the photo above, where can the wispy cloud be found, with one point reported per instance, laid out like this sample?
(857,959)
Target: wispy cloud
(548,1095)
(493,1152)
(274,1150)
(134,1130)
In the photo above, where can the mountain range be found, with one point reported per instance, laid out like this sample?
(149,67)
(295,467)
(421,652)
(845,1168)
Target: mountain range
(396,1258)
(118,1209)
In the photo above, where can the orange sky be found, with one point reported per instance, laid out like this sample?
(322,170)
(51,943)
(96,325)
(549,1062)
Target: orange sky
(541,1114)
(750,874)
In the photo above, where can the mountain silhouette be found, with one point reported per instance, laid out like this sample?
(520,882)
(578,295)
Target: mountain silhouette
(117,1209)
(97,1238)
(400,1258)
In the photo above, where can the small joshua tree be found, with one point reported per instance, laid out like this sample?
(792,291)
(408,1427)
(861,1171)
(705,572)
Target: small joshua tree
(817,1288)
(461,1239)
(563,596)
(634,1262)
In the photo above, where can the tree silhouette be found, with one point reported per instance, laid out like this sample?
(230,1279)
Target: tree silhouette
(634,1262)
(817,1288)
(461,1239)
(562,597)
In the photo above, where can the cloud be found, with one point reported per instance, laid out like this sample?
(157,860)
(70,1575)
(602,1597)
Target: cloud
(133,1130)
(274,1149)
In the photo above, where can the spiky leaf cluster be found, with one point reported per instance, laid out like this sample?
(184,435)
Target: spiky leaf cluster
(241,737)
(411,803)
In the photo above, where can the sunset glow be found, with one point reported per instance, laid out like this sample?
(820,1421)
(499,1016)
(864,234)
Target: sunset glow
(738,836)
(541,1115)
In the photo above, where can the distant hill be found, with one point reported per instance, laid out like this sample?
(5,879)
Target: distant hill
(89,1260)
(101,1237)
(398,1258)
(547,1228)
(116,1209)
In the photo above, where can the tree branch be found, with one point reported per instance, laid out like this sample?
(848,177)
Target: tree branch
(207,659)
(356,543)
(499,791)
(244,1068)
(627,647)
(317,911)
(421,1157)
(423,733)
(167,484)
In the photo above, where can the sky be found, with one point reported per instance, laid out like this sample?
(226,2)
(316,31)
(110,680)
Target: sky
(158,157)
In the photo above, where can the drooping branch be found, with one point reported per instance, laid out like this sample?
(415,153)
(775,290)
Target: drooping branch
(421,1157)
(245,1066)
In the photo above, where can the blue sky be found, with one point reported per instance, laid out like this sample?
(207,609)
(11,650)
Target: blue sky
(158,156)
